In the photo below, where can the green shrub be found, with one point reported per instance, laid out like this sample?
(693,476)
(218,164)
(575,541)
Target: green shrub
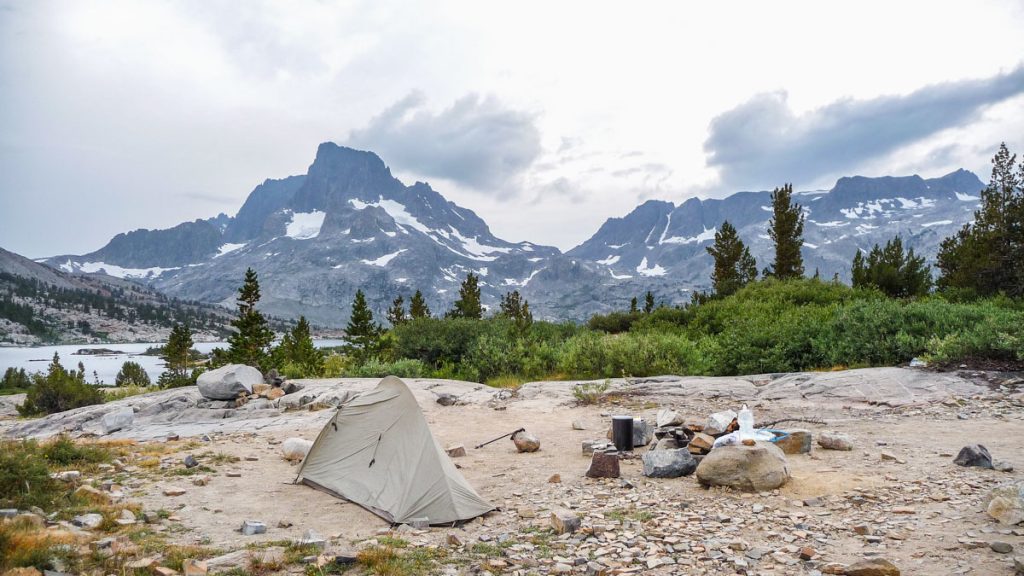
(376,368)
(63,451)
(588,393)
(15,379)
(132,374)
(59,390)
(335,365)
(25,478)
(613,322)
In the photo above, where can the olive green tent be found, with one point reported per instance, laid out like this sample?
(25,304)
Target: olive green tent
(378,452)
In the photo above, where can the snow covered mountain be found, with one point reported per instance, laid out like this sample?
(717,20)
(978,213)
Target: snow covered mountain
(661,240)
(315,239)
(348,223)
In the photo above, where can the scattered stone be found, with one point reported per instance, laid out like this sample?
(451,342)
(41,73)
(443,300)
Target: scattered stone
(447,399)
(140,564)
(127,518)
(453,541)
(117,419)
(201,480)
(526,442)
(251,527)
(68,475)
(578,425)
(591,446)
(1006,503)
(668,463)
(604,464)
(974,455)
(190,567)
(295,449)
(165,571)
(190,461)
(890,457)
(749,468)
(554,479)
(796,441)
(94,495)
(174,492)
(830,440)
(1018,564)
(643,432)
(1001,547)
(275,393)
(284,524)
(666,443)
(807,553)
(668,417)
(88,521)
(456,450)
(1002,466)
(872,567)
(227,382)
(719,422)
(234,474)
(565,522)
(701,443)
(312,538)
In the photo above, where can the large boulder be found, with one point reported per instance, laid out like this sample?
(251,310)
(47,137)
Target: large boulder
(749,468)
(295,449)
(227,382)
(118,419)
(974,455)
(1006,503)
(668,463)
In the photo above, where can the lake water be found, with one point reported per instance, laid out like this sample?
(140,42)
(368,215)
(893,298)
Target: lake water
(36,359)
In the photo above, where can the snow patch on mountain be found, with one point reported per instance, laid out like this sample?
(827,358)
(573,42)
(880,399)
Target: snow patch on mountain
(966,197)
(936,223)
(654,270)
(618,276)
(114,270)
(227,249)
(831,224)
(383,260)
(609,260)
(396,210)
(705,236)
(305,225)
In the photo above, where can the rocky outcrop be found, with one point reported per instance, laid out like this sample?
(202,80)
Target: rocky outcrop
(227,382)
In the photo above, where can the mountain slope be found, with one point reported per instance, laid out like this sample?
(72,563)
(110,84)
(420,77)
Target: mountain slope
(39,304)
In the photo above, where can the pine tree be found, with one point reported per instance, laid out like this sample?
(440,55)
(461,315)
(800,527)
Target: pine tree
(988,255)
(786,229)
(176,351)
(251,341)
(132,374)
(301,352)
(648,302)
(734,266)
(396,313)
(632,306)
(468,305)
(892,271)
(418,306)
(514,307)
(362,333)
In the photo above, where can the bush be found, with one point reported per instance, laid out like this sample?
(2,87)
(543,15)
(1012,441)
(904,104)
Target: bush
(15,379)
(589,393)
(63,451)
(132,374)
(24,477)
(376,368)
(59,390)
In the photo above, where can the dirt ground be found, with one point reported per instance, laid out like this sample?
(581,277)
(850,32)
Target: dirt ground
(928,511)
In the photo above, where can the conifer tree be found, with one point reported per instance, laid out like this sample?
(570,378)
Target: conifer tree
(297,349)
(734,266)
(648,302)
(418,306)
(361,333)
(396,313)
(176,351)
(632,306)
(468,305)
(892,271)
(250,343)
(786,229)
(988,255)
(514,307)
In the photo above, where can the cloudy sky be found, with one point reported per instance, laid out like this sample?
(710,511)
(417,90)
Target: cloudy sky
(545,118)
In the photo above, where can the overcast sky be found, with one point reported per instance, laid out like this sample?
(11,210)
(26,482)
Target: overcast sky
(545,118)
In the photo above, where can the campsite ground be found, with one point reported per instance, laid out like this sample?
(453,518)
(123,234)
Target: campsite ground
(918,509)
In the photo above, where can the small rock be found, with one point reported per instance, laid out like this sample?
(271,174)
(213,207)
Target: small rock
(830,440)
(447,399)
(701,443)
(974,455)
(872,567)
(190,461)
(284,524)
(554,479)
(668,463)
(127,518)
(668,417)
(807,553)
(190,567)
(453,541)
(525,442)
(312,538)
(251,527)
(1018,564)
(69,475)
(89,521)
(796,441)
(165,571)
(719,422)
(456,450)
(173,492)
(295,449)
(1002,466)
(591,446)
(1001,547)
(275,393)
(201,480)
(419,523)
(578,425)
(564,522)
(140,564)
(604,465)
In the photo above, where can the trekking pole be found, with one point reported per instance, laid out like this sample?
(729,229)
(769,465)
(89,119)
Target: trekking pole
(478,446)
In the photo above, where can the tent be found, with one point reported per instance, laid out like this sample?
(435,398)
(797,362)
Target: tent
(378,452)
